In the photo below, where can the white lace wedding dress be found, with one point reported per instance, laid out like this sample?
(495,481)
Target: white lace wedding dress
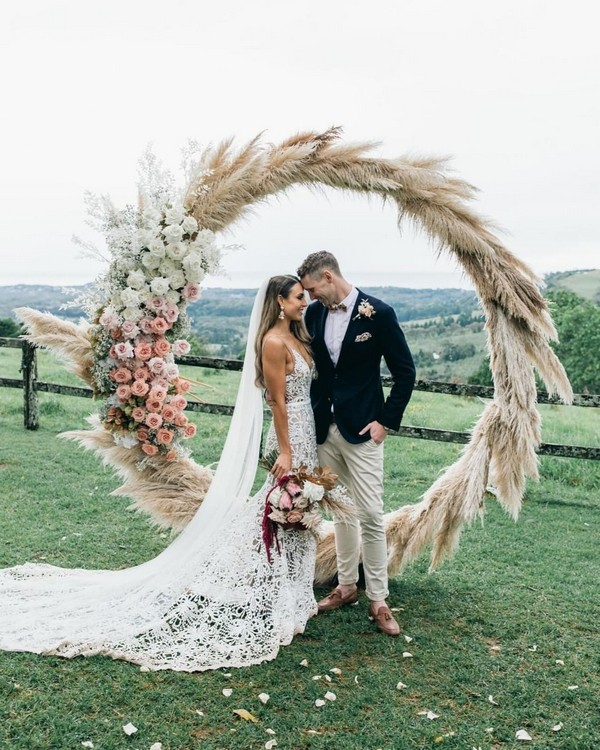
(211,599)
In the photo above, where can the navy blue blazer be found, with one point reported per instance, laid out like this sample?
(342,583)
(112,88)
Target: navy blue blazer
(353,387)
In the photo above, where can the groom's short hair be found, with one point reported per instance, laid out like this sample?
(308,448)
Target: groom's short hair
(315,263)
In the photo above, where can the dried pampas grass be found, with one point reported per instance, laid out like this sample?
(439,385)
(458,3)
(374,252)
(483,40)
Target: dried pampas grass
(501,452)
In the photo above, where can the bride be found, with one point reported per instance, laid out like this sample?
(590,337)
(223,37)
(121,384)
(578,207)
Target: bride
(212,598)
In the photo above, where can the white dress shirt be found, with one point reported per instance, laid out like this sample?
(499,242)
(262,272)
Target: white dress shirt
(336,325)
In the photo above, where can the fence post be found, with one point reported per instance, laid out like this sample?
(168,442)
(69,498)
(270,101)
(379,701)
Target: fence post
(31,405)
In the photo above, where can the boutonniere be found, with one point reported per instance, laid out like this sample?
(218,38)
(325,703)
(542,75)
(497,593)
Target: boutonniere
(362,337)
(365,309)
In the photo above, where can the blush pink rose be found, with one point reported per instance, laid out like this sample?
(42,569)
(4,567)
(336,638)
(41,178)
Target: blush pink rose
(149,449)
(168,413)
(171,371)
(142,373)
(180,347)
(112,352)
(161,347)
(190,430)
(140,388)
(180,420)
(154,405)
(143,351)
(178,402)
(171,455)
(182,385)
(121,375)
(129,329)
(123,350)
(138,413)
(157,304)
(154,421)
(123,392)
(142,434)
(164,436)
(160,325)
(171,312)
(191,292)
(145,325)
(157,393)
(156,365)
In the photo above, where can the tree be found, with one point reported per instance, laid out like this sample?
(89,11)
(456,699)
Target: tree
(9,328)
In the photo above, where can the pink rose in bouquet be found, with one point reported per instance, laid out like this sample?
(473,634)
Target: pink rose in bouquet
(161,347)
(145,325)
(121,375)
(158,393)
(139,388)
(154,405)
(138,414)
(168,413)
(178,402)
(160,325)
(190,430)
(143,350)
(149,449)
(123,350)
(142,373)
(180,420)
(154,421)
(164,436)
(191,292)
(123,392)
(180,347)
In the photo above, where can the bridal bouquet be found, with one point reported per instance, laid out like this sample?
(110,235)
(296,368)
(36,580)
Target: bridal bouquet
(297,500)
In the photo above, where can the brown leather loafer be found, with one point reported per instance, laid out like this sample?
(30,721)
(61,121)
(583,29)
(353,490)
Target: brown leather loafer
(384,620)
(335,599)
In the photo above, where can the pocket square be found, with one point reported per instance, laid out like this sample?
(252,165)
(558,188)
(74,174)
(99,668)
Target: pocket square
(362,337)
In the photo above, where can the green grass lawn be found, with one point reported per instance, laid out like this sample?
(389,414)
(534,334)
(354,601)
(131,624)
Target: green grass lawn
(513,616)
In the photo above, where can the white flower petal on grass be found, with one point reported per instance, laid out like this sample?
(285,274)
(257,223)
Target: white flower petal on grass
(573,687)
(264,697)
(270,744)
(407,638)
(87,743)
(270,731)
(491,700)
(327,677)
(227,674)
(129,729)
(227,692)
(400,686)
(316,677)
(313,732)
(335,670)
(156,746)
(407,655)
(330,696)
(144,669)
(200,713)
(533,648)
(560,662)
(431,715)
(489,730)
(557,727)
(356,679)
(304,663)
(522,734)
(319,702)
(397,609)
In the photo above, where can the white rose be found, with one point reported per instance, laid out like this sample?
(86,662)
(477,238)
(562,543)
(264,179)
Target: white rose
(177,250)
(129,297)
(115,300)
(157,249)
(189,225)
(193,268)
(205,238)
(136,279)
(149,261)
(173,233)
(145,294)
(167,267)
(159,285)
(173,296)
(152,215)
(177,280)
(133,314)
(174,215)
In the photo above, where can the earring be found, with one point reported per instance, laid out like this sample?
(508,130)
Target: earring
(281,314)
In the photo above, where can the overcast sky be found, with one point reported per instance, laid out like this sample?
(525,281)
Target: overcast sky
(509,89)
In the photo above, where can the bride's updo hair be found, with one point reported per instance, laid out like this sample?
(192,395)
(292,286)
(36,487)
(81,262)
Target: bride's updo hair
(277,285)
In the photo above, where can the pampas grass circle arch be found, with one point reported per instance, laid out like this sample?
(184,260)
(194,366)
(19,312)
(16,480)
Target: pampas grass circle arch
(224,187)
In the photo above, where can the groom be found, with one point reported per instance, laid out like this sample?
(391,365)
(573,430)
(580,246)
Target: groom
(351,333)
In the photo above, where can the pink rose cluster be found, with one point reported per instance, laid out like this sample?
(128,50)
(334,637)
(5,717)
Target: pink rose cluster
(147,384)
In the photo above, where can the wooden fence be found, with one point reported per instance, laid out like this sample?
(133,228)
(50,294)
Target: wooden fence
(32,386)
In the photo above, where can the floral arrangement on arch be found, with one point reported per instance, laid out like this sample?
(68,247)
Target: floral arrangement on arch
(159,258)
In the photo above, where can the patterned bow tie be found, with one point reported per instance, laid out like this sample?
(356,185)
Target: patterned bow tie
(337,306)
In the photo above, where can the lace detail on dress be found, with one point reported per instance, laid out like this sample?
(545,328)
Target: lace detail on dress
(223,606)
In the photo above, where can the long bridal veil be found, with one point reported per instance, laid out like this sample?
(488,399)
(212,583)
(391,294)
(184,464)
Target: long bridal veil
(45,609)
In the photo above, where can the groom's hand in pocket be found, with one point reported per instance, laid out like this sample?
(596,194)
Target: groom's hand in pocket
(376,430)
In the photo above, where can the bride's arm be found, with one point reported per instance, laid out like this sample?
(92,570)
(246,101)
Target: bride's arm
(274,355)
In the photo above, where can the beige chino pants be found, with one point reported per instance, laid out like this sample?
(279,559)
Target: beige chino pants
(360,468)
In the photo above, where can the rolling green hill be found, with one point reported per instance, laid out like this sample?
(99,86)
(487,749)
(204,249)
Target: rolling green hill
(584,283)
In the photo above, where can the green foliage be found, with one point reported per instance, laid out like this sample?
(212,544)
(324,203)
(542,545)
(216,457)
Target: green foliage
(482,375)
(9,327)
(578,324)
